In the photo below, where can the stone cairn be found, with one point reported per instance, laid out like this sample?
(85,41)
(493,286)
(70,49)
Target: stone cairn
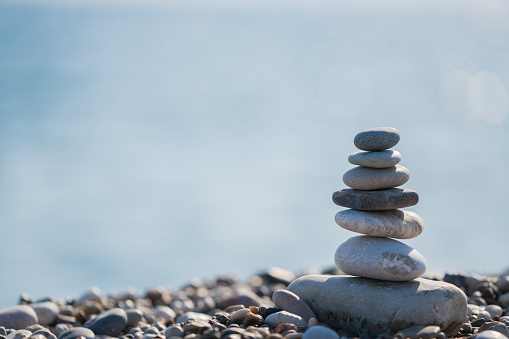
(374,204)
(380,291)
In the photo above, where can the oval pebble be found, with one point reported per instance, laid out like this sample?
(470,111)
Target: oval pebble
(494,310)
(377,139)
(392,223)
(174,331)
(282,317)
(379,258)
(134,316)
(320,332)
(366,179)
(381,200)
(77,332)
(110,323)
(18,317)
(240,314)
(165,313)
(46,312)
(489,334)
(484,314)
(290,302)
(381,159)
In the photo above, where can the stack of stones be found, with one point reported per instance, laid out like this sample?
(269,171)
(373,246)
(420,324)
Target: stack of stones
(374,204)
(381,292)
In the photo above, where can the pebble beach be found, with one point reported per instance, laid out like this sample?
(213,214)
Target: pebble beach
(229,308)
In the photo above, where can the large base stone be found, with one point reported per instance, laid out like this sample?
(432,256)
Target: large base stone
(374,307)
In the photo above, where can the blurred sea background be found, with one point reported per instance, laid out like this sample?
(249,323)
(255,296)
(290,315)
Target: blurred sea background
(152,142)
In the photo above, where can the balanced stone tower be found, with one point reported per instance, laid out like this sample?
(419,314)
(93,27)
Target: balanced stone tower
(374,201)
(381,291)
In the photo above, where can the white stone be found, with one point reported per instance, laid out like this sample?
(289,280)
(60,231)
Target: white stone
(380,159)
(365,178)
(164,312)
(360,304)
(320,332)
(484,314)
(240,314)
(379,258)
(392,223)
(283,317)
(93,294)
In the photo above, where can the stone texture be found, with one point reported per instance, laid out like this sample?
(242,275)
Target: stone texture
(418,332)
(489,334)
(379,258)
(288,301)
(46,312)
(110,323)
(18,317)
(77,332)
(360,304)
(320,332)
(365,178)
(392,223)
(192,316)
(388,199)
(284,317)
(377,139)
(381,159)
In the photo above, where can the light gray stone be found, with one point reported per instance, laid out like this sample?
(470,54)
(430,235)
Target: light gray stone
(418,332)
(284,317)
(288,301)
(320,332)
(379,258)
(502,328)
(92,294)
(360,304)
(165,313)
(381,159)
(174,331)
(46,312)
(489,334)
(377,139)
(365,178)
(18,317)
(134,316)
(494,310)
(392,223)
(19,334)
(192,316)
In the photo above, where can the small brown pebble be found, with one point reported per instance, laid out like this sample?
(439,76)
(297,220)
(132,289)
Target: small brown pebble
(274,336)
(285,327)
(253,320)
(254,309)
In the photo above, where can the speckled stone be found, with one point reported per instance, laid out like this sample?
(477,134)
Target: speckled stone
(377,139)
(376,306)
(388,199)
(18,317)
(380,159)
(379,258)
(392,223)
(365,178)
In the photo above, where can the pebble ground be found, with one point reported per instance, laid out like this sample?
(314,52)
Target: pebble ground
(225,308)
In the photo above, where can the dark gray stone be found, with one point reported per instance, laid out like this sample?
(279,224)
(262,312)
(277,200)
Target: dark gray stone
(77,332)
(380,200)
(110,323)
(374,306)
(377,139)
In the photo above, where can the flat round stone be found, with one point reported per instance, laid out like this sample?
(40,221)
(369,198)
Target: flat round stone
(388,199)
(380,159)
(365,178)
(392,223)
(377,139)
(376,306)
(379,258)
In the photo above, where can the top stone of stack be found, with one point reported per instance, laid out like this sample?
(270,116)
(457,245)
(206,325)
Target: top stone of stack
(377,139)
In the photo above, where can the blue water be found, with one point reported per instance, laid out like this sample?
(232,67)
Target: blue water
(150,145)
